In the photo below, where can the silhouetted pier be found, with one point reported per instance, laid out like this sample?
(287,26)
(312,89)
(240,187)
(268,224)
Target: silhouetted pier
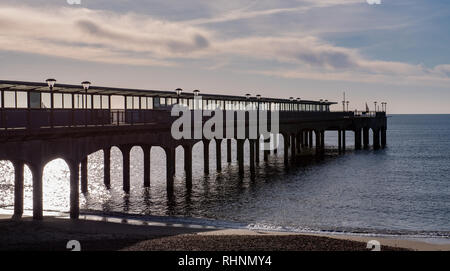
(40,122)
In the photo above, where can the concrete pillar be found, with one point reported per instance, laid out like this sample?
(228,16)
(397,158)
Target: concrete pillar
(366,137)
(298,142)
(36,170)
(240,155)
(206,156)
(146,149)
(18,189)
(343,140)
(229,150)
(84,175)
(286,149)
(376,139)
(339,141)
(305,138)
(322,141)
(170,165)
(318,144)
(293,149)
(358,145)
(188,164)
(126,168)
(74,190)
(107,167)
(219,155)
(383,137)
(310,139)
(257,146)
(266,152)
(252,144)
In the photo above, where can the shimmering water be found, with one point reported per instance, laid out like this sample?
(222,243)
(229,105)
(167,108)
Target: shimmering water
(404,189)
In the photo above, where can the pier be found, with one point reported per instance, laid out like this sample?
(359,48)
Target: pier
(40,122)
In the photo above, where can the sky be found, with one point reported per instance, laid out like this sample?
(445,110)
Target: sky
(394,51)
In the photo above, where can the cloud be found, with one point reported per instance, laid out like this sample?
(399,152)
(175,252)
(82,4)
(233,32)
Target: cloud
(133,39)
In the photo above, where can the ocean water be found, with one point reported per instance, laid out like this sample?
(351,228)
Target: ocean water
(401,190)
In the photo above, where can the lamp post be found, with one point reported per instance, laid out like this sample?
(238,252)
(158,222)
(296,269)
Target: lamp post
(347,104)
(299,104)
(86,85)
(196,93)
(178,91)
(375,106)
(51,83)
(292,102)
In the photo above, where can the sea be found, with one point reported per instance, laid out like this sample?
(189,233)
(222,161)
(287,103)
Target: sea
(401,191)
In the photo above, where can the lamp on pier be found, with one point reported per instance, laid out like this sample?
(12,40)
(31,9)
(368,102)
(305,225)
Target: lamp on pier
(375,106)
(347,104)
(178,91)
(51,83)
(86,85)
(196,92)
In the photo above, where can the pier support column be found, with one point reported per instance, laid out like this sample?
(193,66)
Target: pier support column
(343,140)
(299,142)
(252,144)
(275,143)
(146,149)
(188,164)
(310,139)
(366,137)
(36,171)
(339,141)
(305,138)
(358,139)
(18,189)
(266,152)
(383,137)
(257,146)
(206,156)
(74,190)
(322,142)
(293,148)
(84,175)
(219,155)
(286,149)
(126,167)
(376,139)
(170,168)
(107,167)
(318,137)
(240,155)
(228,150)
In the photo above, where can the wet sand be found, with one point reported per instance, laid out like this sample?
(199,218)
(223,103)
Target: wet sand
(54,233)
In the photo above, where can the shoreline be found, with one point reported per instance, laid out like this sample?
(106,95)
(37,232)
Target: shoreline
(109,233)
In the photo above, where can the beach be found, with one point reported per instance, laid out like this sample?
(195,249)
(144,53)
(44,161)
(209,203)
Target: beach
(53,233)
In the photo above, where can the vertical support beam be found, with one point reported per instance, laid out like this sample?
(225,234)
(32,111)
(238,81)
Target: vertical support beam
(229,150)
(252,156)
(343,140)
(84,175)
(286,149)
(18,189)
(219,155)
(240,155)
(146,149)
(266,152)
(310,139)
(366,137)
(257,147)
(107,167)
(206,156)
(36,170)
(358,145)
(305,138)
(376,139)
(293,148)
(170,165)
(339,141)
(126,167)
(383,137)
(74,190)
(318,143)
(322,142)
(188,164)
(298,142)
